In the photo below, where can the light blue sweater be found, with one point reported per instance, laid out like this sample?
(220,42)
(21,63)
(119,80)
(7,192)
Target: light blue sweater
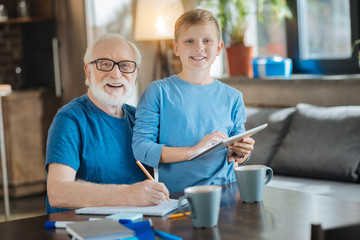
(175,113)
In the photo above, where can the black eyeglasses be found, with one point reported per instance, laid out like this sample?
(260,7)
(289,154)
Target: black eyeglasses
(106,65)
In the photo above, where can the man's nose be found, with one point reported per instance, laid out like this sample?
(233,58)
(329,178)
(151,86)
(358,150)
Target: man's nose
(116,71)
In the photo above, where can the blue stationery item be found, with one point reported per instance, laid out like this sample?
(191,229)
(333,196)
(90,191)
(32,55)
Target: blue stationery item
(122,217)
(274,66)
(123,221)
(166,236)
(143,230)
(58,224)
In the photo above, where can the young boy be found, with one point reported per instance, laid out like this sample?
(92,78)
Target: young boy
(179,116)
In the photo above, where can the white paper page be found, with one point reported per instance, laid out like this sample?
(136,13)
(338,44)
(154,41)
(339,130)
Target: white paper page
(158,210)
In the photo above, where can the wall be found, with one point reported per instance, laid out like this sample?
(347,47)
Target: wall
(71,32)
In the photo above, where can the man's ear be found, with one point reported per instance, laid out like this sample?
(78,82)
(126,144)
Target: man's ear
(175,47)
(137,74)
(87,72)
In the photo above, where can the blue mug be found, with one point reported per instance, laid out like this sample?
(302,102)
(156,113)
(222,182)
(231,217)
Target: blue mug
(204,204)
(251,180)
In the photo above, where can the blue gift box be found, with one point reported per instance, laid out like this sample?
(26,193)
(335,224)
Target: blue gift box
(272,67)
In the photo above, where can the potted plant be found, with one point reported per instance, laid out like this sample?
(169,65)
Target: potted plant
(232,16)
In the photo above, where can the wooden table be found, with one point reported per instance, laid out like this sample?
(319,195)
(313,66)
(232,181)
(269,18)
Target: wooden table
(283,214)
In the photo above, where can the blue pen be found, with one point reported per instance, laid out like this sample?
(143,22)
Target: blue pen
(57,224)
(166,236)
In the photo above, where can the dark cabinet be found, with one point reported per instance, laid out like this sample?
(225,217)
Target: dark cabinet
(26,54)
(26,63)
(27,117)
(37,55)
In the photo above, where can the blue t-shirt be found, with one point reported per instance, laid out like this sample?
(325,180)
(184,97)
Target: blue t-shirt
(175,113)
(94,143)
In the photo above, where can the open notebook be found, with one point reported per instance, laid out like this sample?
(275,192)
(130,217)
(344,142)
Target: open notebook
(158,210)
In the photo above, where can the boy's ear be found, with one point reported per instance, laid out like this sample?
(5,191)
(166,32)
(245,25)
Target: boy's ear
(175,47)
(220,47)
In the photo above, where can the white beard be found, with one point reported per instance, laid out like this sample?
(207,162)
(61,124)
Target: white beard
(111,99)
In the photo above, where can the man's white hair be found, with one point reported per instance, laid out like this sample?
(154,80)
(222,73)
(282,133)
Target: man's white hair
(90,49)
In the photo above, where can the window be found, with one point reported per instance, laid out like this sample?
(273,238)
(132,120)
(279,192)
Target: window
(325,29)
(318,38)
(271,35)
(320,35)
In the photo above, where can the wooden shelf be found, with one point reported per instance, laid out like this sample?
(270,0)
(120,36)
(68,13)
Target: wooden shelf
(26,20)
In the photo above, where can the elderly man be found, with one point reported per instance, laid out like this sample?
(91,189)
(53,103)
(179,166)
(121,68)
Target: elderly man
(89,159)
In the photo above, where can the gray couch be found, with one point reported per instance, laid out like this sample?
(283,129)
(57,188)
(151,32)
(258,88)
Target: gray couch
(311,149)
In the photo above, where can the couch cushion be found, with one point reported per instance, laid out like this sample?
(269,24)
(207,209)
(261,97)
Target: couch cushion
(322,142)
(268,140)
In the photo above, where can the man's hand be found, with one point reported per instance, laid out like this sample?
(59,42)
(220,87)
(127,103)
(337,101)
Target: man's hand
(146,193)
(242,150)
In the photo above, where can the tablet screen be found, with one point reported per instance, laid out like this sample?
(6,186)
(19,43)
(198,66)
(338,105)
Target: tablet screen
(226,142)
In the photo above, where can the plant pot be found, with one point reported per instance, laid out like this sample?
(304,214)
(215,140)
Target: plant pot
(239,60)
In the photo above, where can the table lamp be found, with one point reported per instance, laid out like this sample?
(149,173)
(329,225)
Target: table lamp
(155,20)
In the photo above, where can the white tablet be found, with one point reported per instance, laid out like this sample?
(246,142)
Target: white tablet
(226,142)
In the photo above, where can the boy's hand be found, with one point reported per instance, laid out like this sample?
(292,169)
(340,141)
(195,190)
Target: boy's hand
(209,140)
(241,149)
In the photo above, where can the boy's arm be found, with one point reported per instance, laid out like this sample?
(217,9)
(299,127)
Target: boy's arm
(179,154)
(145,144)
(176,154)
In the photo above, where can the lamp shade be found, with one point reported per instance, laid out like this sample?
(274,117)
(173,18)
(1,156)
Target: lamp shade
(155,19)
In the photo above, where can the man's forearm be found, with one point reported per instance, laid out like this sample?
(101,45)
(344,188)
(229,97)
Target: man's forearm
(77,194)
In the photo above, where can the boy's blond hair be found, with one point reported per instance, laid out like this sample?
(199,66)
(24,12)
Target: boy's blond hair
(192,17)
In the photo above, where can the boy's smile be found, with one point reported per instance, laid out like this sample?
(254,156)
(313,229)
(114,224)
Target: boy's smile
(198,58)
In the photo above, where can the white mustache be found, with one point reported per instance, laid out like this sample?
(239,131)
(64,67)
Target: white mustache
(116,82)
